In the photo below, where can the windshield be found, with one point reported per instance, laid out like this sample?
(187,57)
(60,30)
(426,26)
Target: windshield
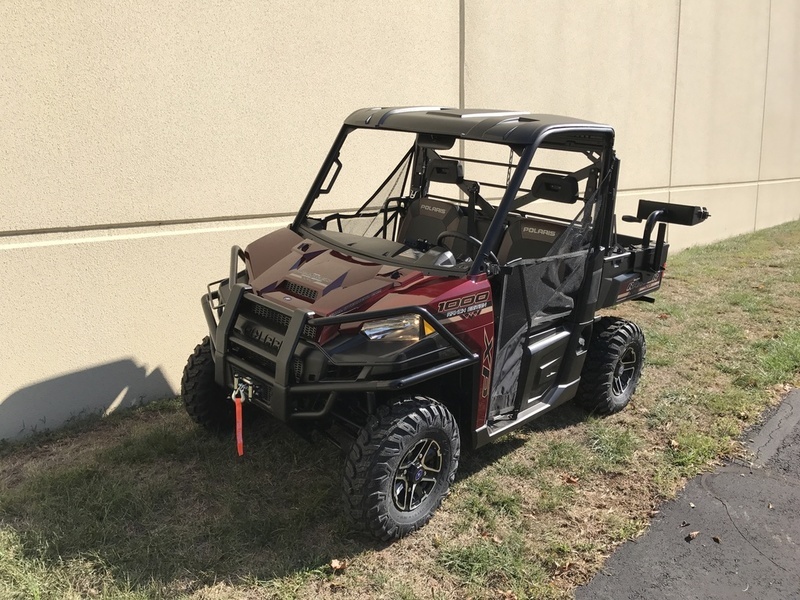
(431,205)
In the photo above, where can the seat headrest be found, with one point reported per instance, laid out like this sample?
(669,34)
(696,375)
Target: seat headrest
(559,188)
(444,170)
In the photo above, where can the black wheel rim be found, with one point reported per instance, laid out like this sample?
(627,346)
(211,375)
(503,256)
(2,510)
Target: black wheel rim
(417,474)
(624,372)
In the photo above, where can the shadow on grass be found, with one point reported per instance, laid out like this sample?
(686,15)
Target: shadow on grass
(564,416)
(159,501)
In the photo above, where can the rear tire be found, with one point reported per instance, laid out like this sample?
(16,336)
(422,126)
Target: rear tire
(400,467)
(613,366)
(207,403)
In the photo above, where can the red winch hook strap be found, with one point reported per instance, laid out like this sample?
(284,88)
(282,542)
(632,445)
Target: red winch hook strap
(237,400)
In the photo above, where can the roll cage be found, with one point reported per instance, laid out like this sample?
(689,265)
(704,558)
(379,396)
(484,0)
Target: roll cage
(437,130)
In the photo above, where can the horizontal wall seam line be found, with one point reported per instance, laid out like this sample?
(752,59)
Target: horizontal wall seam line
(697,186)
(73,241)
(140,224)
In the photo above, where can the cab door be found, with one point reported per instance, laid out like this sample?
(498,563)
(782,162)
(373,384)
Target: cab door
(534,324)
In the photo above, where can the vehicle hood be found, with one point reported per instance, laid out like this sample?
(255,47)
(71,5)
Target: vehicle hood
(301,273)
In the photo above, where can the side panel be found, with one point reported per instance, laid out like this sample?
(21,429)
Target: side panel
(470,317)
(541,365)
(631,274)
(466,308)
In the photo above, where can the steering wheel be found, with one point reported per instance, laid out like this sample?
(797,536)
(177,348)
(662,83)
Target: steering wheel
(466,238)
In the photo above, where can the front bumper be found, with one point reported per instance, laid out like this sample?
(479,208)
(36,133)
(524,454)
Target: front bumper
(280,340)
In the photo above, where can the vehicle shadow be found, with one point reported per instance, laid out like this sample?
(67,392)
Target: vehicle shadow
(162,504)
(564,416)
(96,390)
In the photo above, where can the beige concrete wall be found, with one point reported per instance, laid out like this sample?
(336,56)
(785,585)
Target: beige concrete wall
(104,320)
(703,95)
(127,112)
(612,62)
(118,113)
(135,134)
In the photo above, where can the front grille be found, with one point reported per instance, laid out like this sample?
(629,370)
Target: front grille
(265,328)
(277,320)
(272,317)
(301,291)
(252,358)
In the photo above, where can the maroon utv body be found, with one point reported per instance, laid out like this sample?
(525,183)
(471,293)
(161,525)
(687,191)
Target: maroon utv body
(438,287)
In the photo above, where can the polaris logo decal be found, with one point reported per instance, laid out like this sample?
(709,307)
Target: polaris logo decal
(640,286)
(430,208)
(311,276)
(539,231)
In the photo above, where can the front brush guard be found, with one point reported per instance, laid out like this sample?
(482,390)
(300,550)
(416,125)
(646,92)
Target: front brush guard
(281,387)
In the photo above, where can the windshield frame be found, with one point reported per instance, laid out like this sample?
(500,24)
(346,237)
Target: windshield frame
(544,138)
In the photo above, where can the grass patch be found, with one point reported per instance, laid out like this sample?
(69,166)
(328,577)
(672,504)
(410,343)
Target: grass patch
(661,349)
(749,301)
(143,504)
(666,478)
(673,407)
(564,455)
(692,451)
(612,445)
(553,497)
(482,500)
(24,575)
(620,529)
(772,361)
(488,567)
(730,402)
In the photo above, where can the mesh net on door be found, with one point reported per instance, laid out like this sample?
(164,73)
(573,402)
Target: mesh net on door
(536,292)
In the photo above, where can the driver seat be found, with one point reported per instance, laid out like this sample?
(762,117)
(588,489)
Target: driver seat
(426,218)
(528,237)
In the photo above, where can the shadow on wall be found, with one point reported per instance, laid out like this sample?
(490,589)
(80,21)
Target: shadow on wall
(101,389)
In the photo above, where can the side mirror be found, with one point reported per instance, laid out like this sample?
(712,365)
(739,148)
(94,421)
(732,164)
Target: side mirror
(435,141)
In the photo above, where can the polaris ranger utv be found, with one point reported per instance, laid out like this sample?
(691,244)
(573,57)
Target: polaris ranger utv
(438,287)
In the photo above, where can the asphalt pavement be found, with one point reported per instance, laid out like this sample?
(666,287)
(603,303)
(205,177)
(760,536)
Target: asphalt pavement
(731,534)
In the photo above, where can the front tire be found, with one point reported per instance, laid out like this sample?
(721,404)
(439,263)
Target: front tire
(613,366)
(400,467)
(207,403)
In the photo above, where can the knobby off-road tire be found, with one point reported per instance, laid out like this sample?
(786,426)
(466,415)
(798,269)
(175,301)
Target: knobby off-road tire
(207,403)
(400,467)
(613,366)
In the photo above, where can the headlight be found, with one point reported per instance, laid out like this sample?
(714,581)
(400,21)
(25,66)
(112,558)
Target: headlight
(403,328)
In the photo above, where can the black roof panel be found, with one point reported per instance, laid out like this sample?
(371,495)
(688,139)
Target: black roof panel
(489,125)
